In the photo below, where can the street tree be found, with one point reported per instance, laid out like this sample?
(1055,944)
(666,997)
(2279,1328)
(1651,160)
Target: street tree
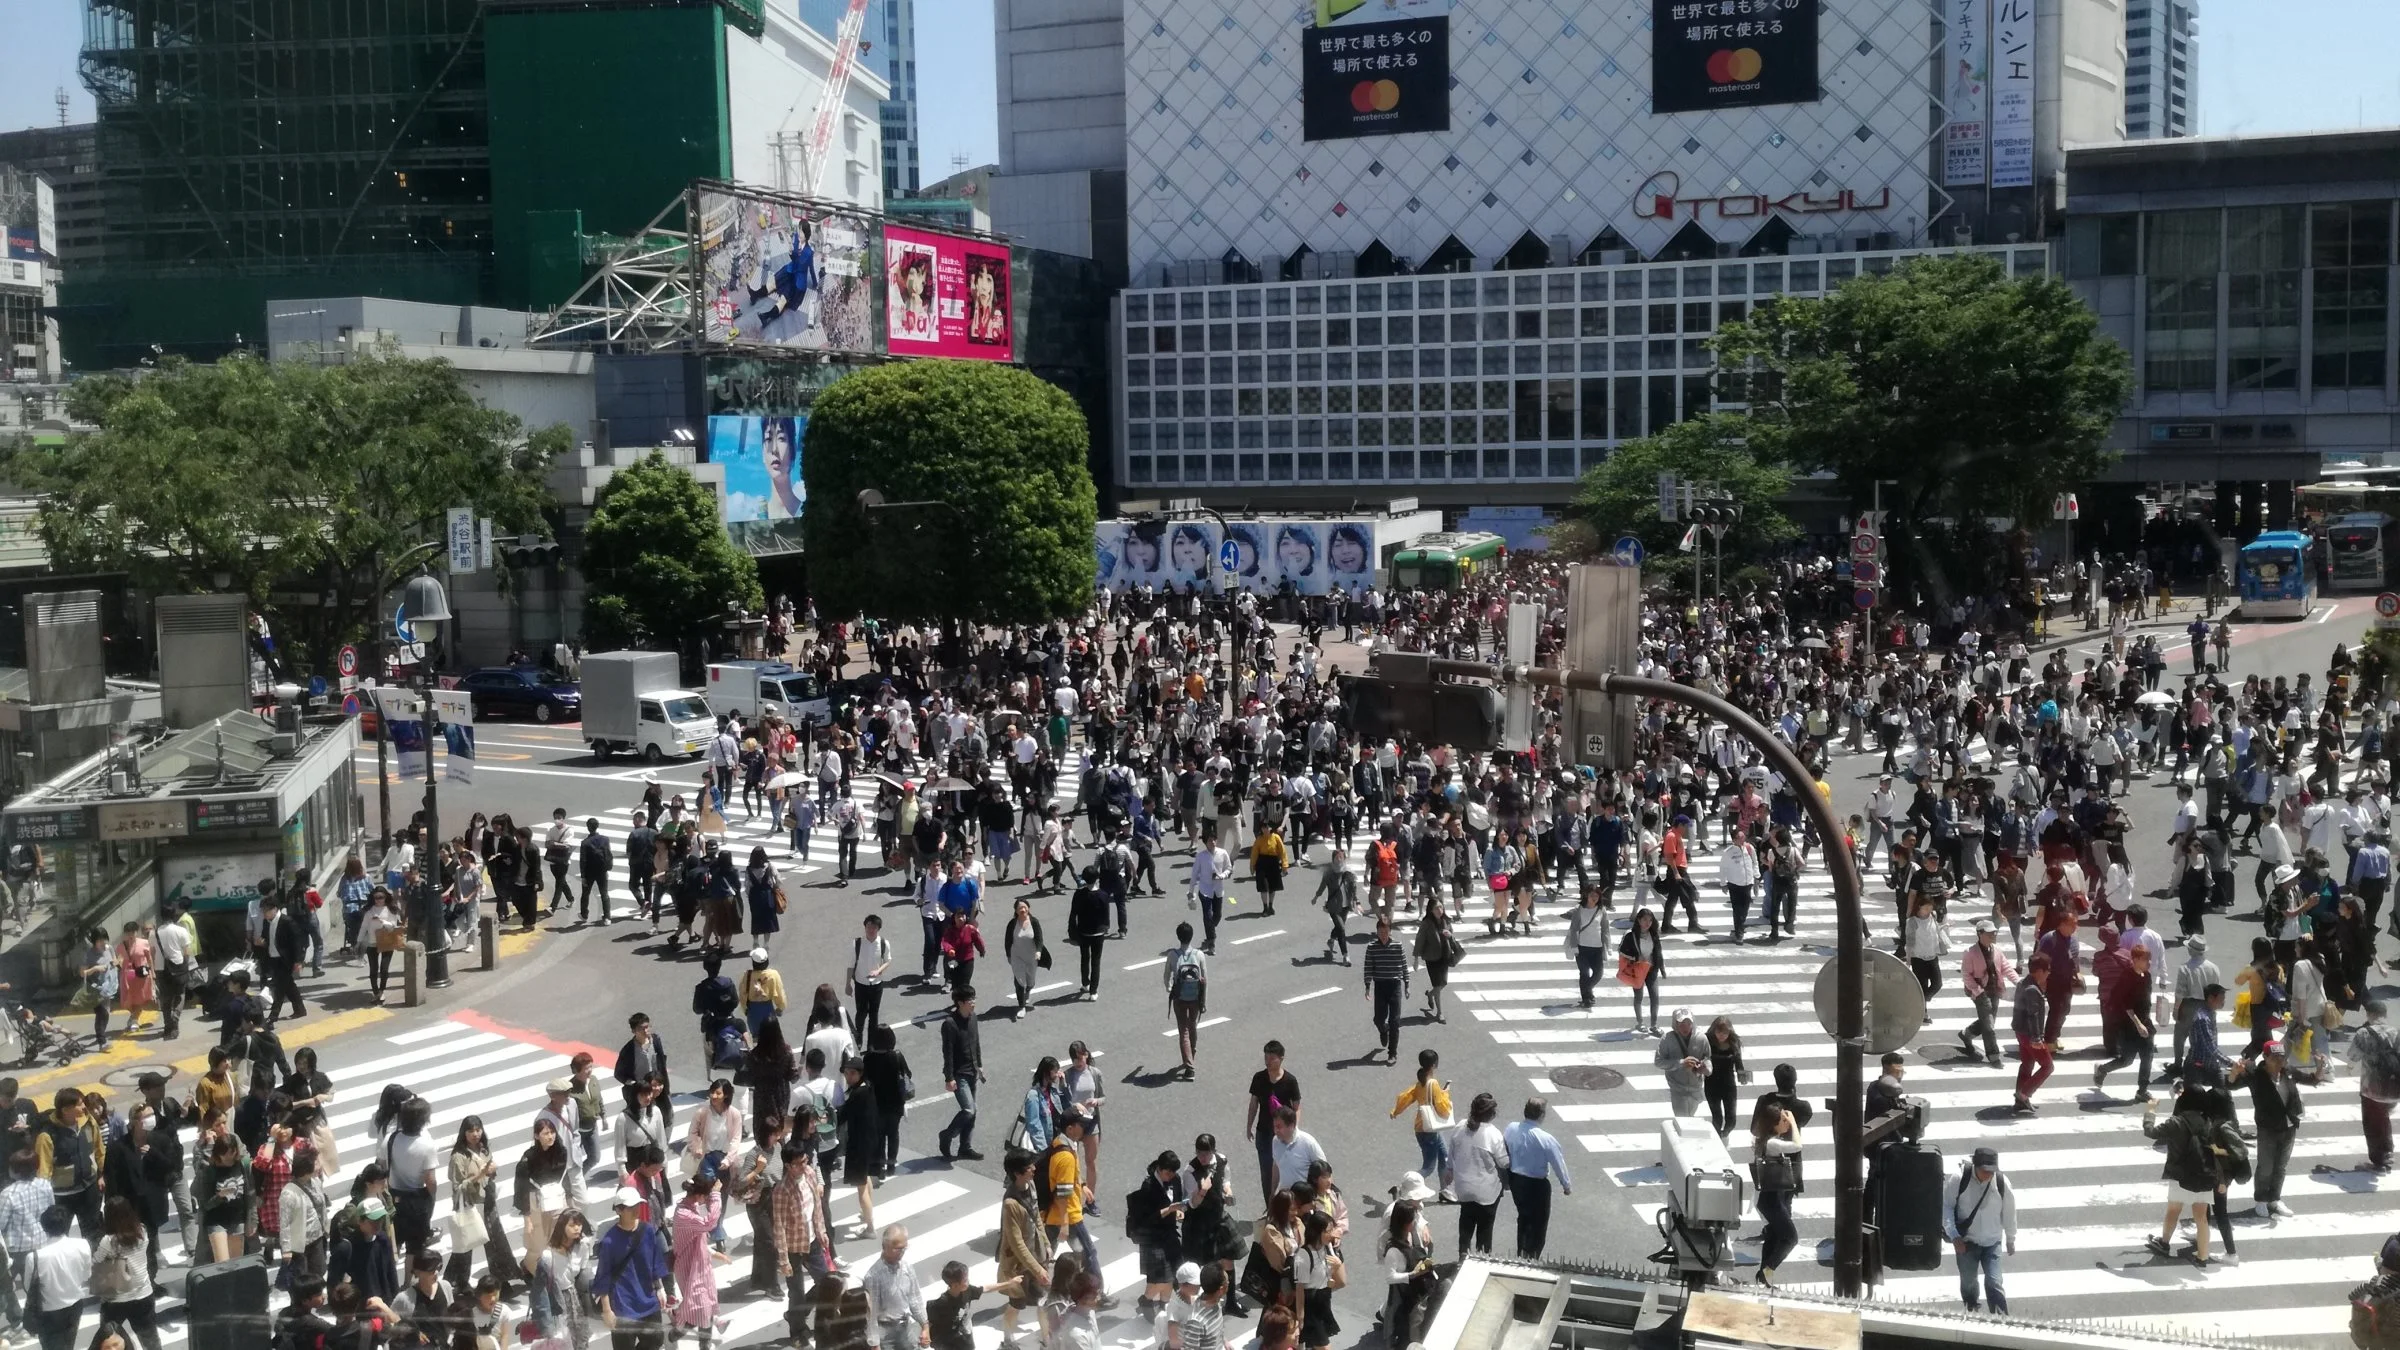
(658,569)
(1619,496)
(991,498)
(277,480)
(1965,392)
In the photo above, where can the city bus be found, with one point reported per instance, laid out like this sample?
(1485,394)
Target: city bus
(2361,549)
(2279,580)
(1445,562)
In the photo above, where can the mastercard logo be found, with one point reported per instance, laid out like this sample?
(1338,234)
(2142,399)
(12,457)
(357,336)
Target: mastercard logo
(1738,65)
(1372,96)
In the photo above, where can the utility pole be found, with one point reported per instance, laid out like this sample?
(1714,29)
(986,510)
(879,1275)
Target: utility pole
(1406,673)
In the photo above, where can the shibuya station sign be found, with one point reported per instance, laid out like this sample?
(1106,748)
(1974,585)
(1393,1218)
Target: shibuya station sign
(1661,197)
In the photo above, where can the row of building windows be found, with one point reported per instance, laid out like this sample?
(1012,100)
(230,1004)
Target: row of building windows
(1309,368)
(1555,463)
(2257,262)
(1492,412)
(1403,330)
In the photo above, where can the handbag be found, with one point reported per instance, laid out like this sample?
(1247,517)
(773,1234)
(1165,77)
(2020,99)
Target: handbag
(550,1196)
(1774,1172)
(390,939)
(467,1231)
(1498,882)
(1631,973)
(1041,956)
(779,899)
(1261,1283)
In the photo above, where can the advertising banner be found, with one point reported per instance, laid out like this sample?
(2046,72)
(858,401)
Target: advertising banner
(401,714)
(1316,557)
(786,275)
(1963,158)
(456,709)
(1375,79)
(45,217)
(203,882)
(946,296)
(1331,12)
(1707,55)
(763,491)
(2013,54)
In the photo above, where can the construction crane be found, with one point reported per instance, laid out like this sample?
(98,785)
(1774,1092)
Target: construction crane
(816,151)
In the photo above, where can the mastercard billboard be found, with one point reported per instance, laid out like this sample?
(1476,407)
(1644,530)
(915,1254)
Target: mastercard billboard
(1375,79)
(1712,54)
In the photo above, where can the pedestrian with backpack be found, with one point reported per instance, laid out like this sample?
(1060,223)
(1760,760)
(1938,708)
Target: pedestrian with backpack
(1187,995)
(1979,1216)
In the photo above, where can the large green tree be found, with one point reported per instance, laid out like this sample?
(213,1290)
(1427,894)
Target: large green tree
(1619,496)
(658,569)
(1964,391)
(278,480)
(998,455)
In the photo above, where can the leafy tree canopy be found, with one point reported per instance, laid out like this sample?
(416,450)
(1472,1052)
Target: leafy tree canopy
(1619,496)
(280,477)
(658,568)
(1966,392)
(1005,452)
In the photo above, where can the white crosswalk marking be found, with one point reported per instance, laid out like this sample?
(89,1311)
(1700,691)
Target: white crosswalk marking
(463,1069)
(2087,1181)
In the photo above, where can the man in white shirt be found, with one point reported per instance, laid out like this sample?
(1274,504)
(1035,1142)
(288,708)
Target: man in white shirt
(1294,1149)
(1211,867)
(62,1267)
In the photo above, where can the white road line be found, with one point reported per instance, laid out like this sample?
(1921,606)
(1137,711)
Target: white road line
(1145,965)
(1258,937)
(1314,993)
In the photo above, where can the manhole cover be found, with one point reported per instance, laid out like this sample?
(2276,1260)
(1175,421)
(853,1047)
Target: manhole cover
(1587,1078)
(127,1076)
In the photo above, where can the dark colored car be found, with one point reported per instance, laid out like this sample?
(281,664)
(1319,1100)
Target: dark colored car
(504,691)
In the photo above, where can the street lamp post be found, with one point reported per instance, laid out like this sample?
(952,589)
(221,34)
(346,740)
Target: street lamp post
(427,608)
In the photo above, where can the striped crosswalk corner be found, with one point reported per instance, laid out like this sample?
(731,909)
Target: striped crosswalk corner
(86,1074)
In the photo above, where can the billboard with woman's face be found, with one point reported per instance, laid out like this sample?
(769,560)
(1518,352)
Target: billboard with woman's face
(946,296)
(1191,551)
(1316,557)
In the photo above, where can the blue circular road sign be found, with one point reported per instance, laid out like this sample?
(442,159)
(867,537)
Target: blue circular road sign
(1629,551)
(1229,556)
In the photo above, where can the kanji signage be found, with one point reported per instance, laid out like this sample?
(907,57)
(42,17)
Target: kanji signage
(170,819)
(240,813)
(1375,79)
(2014,55)
(1712,54)
(63,825)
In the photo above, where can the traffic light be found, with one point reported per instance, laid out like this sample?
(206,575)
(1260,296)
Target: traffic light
(531,550)
(1394,704)
(1718,511)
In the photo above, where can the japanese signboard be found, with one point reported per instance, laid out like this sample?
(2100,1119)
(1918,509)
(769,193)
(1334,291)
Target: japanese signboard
(460,532)
(62,825)
(240,813)
(1963,160)
(171,819)
(202,882)
(946,296)
(1375,79)
(2013,56)
(786,274)
(1711,54)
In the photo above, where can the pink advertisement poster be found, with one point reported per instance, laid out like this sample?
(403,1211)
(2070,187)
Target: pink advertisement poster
(946,296)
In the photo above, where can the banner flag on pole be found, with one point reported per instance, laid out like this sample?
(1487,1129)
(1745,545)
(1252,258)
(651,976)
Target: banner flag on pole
(403,716)
(457,710)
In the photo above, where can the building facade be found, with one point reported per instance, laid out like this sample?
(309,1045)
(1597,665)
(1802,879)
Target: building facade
(1465,247)
(2252,279)
(887,46)
(451,152)
(2162,68)
(68,158)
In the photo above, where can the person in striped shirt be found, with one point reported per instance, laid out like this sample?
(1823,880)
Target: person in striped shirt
(1386,971)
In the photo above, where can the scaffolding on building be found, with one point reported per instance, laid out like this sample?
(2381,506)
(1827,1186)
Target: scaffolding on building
(276,134)
(644,295)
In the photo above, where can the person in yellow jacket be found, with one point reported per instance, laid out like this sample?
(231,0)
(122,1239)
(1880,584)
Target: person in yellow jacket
(1269,860)
(761,991)
(1427,1100)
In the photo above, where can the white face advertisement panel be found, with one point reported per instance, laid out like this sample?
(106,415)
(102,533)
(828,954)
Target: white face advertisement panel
(2013,59)
(1964,162)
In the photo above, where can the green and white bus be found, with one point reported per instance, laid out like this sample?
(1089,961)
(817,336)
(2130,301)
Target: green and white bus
(1445,562)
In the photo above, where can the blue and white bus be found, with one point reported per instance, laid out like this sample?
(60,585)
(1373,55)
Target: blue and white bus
(2279,578)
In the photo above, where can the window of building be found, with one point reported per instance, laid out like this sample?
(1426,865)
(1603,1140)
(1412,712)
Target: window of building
(1368,299)
(1250,435)
(1629,285)
(1279,332)
(1312,432)
(1593,356)
(1593,424)
(1191,302)
(1195,403)
(1402,364)
(1370,365)
(1337,465)
(1220,370)
(1462,430)
(1766,278)
(1220,402)
(1249,402)
(1137,406)
(1337,398)
(1733,279)
(1528,410)
(1495,326)
(1337,431)
(2263,255)
(1495,291)
(1370,431)
(1137,372)
(1279,301)
(1399,295)
(1245,303)
(1220,304)
(1249,368)
(1311,332)
(1310,299)
(1429,295)
(1279,368)
(1662,318)
(1246,337)
(1529,360)
(1662,283)
(1462,293)
(1430,362)
(2185,249)
(1253,470)
(1137,309)
(1311,466)
(2104,246)
(1162,339)
(1337,299)
(1561,357)
(1433,431)
(1337,365)
(1369,332)
(1279,400)
(1312,367)
(1312,398)
(1559,410)
(1403,329)
(1279,434)
(2350,245)
(1628,404)
(1370,398)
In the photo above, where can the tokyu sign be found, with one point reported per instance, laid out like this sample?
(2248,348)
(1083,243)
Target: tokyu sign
(1661,197)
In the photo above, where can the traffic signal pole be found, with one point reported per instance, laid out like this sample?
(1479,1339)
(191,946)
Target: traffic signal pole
(1850,958)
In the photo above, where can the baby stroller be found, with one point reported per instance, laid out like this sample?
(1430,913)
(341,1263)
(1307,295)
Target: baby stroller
(40,1038)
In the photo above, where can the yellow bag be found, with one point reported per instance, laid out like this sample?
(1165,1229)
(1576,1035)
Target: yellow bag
(2241,1008)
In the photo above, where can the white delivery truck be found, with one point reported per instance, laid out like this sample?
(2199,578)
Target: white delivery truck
(775,688)
(631,704)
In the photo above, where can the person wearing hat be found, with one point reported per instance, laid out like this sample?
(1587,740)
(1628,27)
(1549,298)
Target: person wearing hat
(1979,1216)
(1683,1057)
(1405,1253)
(629,1273)
(761,991)
(1985,973)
